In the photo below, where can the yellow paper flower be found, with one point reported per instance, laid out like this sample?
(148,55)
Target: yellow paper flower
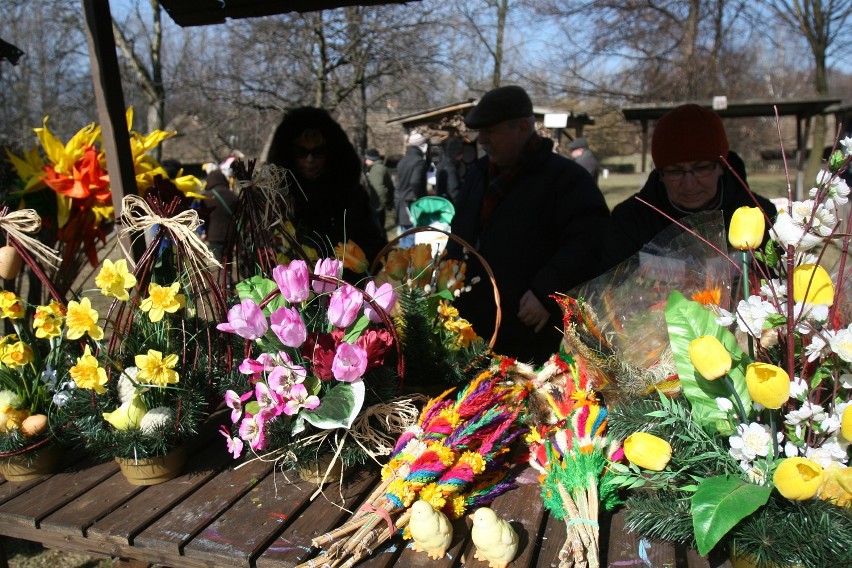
(153,369)
(162,299)
(16,354)
(396,264)
(709,356)
(846,423)
(29,167)
(747,228)
(128,415)
(445,454)
(647,451)
(402,490)
(64,156)
(459,506)
(88,374)
(83,319)
(812,285)
(768,384)
(798,479)
(11,305)
(352,257)
(114,279)
(446,310)
(474,460)
(466,334)
(48,320)
(433,495)
(836,487)
(421,259)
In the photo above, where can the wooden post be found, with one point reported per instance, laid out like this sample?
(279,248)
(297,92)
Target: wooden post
(111,109)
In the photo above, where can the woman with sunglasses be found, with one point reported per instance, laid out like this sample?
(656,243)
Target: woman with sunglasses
(330,205)
(687,147)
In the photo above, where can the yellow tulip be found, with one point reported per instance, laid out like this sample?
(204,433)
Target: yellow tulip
(128,415)
(798,479)
(812,285)
(836,488)
(647,451)
(768,384)
(747,227)
(846,423)
(709,357)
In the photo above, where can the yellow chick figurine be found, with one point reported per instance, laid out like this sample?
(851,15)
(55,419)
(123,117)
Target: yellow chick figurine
(430,529)
(495,539)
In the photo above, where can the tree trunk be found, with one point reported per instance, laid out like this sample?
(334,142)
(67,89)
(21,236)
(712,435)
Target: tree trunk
(502,11)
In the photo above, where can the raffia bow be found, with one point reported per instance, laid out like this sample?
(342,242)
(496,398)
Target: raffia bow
(17,224)
(137,215)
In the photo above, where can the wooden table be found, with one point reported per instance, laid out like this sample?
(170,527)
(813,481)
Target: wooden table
(216,515)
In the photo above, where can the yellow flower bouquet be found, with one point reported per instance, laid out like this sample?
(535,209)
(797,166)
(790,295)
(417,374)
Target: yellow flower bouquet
(752,456)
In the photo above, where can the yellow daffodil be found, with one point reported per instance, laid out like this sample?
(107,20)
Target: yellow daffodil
(128,415)
(836,487)
(798,479)
(83,319)
(48,320)
(447,311)
(812,285)
(114,279)
(709,356)
(747,228)
(11,305)
(16,354)
(88,374)
(846,423)
(162,299)
(768,384)
(647,451)
(352,257)
(153,369)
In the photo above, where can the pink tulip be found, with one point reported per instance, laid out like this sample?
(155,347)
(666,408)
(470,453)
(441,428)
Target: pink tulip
(246,320)
(288,326)
(350,363)
(293,281)
(384,296)
(326,267)
(344,306)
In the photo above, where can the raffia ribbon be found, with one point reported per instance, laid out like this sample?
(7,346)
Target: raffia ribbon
(18,223)
(137,215)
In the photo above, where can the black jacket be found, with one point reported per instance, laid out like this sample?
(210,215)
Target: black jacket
(336,207)
(542,236)
(410,183)
(633,224)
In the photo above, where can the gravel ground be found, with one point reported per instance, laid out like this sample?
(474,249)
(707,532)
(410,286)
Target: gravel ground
(25,554)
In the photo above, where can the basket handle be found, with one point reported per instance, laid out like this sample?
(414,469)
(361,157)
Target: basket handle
(467,246)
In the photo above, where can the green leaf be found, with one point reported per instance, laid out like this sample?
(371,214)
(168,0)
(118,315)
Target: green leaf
(686,321)
(252,407)
(774,320)
(719,504)
(339,407)
(257,288)
(356,329)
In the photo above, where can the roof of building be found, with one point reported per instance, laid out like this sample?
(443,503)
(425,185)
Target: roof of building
(737,109)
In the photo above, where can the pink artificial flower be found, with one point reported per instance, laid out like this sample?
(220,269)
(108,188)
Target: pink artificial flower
(252,431)
(384,296)
(235,445)
(235,403)
(246,320)
(350,363)
(285,376)
(326,267)
(268,399)
(344,306)
(376,343)
(293,281)
(300,399)
(263,364)
(288,326)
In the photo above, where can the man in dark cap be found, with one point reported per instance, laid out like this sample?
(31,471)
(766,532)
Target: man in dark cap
(579,148)
(688,145)
(534,216)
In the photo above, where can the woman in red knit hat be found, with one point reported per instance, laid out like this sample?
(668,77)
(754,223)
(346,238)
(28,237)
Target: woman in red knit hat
(688,146)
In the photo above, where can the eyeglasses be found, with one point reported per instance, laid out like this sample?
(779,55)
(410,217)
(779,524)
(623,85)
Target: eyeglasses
(316,152)
(699,171)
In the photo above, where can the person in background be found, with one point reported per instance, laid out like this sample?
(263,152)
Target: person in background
(380,185)
(687,147)
(535,218)
(580,153)
(330,205)
(410,184)
(217,210)
(450,169)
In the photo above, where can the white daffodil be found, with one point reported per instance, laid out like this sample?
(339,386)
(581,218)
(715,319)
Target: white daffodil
(725,318)
(752,440)
(815,216)
(837,189)
(830,451)
(798,388)
(791,450)
(774,288)
(808,411)
(841,343)
(787,232)
(752,314)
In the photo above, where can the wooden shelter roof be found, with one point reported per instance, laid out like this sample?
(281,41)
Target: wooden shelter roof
(805,107)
